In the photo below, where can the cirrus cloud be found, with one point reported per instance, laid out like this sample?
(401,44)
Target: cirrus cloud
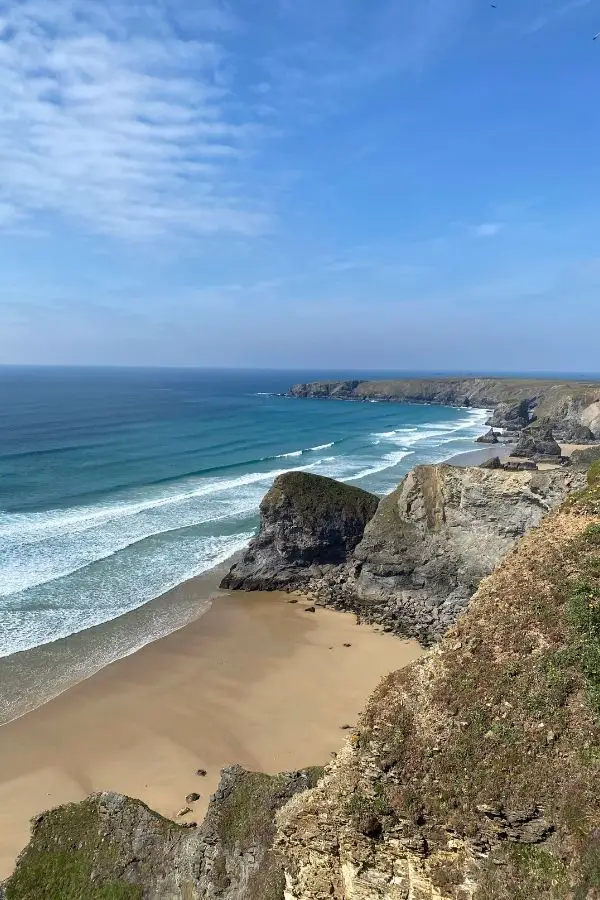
(110,118)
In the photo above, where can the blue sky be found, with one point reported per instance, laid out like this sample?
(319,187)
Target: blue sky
(399,184)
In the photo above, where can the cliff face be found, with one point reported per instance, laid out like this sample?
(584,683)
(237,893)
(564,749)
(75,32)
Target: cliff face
(424,550)
(475,773)
(307,522)
(434,538)
(571,408)
(110,847)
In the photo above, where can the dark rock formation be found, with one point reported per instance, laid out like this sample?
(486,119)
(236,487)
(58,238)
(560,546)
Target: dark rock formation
(493,463)
(512,416)
(473,774)
(423,551)
(585,458)
(490,437)
(110,846)
(520,465)
(432,540)
(537,442)
(307,521)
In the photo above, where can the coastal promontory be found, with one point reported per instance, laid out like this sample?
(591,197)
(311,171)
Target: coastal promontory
(409,562)
(306,521)
(571,408)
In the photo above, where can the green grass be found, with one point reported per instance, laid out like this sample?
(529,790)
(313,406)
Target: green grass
(67,859)
(524,873)
(584,613)
(65,875)
(316,498)
(594,474)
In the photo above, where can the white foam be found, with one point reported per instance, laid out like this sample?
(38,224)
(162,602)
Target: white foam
(321,447)
(108,593)
(389,461)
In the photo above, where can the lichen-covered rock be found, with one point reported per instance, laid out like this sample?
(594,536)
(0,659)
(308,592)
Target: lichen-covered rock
(538,442)
(474,773)
(110,847)
(432,540)
(307,522)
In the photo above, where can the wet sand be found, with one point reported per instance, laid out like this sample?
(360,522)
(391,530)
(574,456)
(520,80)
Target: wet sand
(256,680)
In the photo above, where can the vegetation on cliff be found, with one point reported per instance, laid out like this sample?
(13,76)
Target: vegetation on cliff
(571,407)
(111,847)
(74,855)
(475,773)
(307,521)
(318,500)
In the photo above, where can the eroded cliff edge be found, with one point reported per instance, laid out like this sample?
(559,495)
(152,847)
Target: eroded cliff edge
(571,408)
(111,847)
(409,562)
(475,773)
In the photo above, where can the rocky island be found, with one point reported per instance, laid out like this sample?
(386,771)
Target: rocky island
(472,774)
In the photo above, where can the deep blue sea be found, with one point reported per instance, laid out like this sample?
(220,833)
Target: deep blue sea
(117,484)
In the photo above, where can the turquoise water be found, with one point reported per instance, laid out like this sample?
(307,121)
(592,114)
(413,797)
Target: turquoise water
(116,485)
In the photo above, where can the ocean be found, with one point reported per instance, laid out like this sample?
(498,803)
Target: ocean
(118,484)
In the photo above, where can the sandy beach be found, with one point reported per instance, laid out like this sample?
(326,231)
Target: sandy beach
(256,680)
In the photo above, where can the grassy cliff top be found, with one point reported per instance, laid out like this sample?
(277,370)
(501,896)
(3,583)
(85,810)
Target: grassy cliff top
(316,498)
(494,737)
(455,390)
(73,855)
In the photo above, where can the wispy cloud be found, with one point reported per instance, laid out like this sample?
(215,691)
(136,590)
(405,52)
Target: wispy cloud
(556,12)
(347,45)
(487,229)
(109,117)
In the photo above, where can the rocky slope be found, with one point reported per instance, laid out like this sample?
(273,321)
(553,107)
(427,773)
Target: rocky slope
(571,408)
(475,773)
(307,522)
(424,550)
(111,847)
(537,442)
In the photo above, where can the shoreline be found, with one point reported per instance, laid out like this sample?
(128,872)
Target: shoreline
(62,664)
(242,684)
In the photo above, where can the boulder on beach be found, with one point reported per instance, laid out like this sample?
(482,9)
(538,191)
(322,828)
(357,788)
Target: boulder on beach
(537,442)
(493,463)
(490,437)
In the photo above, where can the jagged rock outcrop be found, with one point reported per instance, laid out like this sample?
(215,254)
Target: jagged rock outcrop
(571,407)
(110,847)
(433,539)
(512,416)
(424,549)
(490,437)
(537,442)
(493,463)
(473,774)
(307,521)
